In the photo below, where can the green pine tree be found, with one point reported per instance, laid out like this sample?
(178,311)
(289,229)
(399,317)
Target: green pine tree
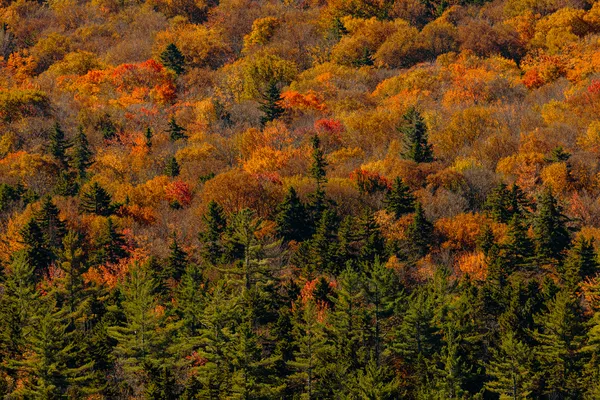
(107,127)
(498,203)
(551,234)
(52,226)
(419,233)
(581,262)
(371,240)
(211,237)
(175,130)
(414,131)
(110,245)
(177,261)
(96,200)
(36,250)
(270,104)
(173,59)
(318,173)
(291,218)
(81,157)
(399,200)
(519,248)
(172,168)
(148,135)
(58,146)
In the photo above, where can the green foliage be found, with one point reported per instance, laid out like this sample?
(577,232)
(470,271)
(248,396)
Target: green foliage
(175,130)
(414,136)
(399,199)
(172,168)
(270,104)
(96,200)
(58,145)
(172,58)
(82,156)
(292,217)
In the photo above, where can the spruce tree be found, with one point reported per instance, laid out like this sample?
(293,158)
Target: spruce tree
(58,146)
(549,226)
(172,58)
(148,137)
(175,130)
(36,250)
(318,173)
(177,261)
(172,168)
(192,297)
(486,239)
(519,248)
(510,368)
(322,246)
(581,262)
(110,245)
(292,218)
(215,223)
(372,241)
(96,200)
(50,223)
(399,200)
(81,158)
(419,233)
(72,263)
(414,130)
(270,104)
(66,184)
(498,203)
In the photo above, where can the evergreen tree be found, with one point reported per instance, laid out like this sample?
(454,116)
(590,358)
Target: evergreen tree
(172,58)
(377,382)
(110,245)
(72,264)
(414,130)
(292,218)
(372,241)
(52,226)
(498,204)
(317,171)
(191,298)
(107,127)
(322,246)
(270,104)
(419,233)
(549,226)
(172,168)
(175,130)
(36,250)
(81,159)
(177,261)
(511,369)
(211,237)
(519,247)
(581,262)
(559,342)
(65,184)
(58,145)
(148,137)
(399,200)
(486,239)
(96,200)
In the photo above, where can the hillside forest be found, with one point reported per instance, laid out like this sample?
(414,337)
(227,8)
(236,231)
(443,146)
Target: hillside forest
(299,199)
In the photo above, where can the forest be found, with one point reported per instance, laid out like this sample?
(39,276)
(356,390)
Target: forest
(299,199)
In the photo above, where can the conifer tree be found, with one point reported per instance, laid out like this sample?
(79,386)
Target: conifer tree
(270,104)
(172,58)
(322,246)
(215,224)
(399,200)
(66,184)
(177,261)
(96,200)
(486,239)
(581,262)
(58,146)
(175,130)
(50,223)
(292,218)
(519,247)
(372,241)
(107,127)
(317,171)
(191,298)
(36,250)
(510,369)
(559,346)
(419,233)
(498,203)
(345,251)
(110,245)
(148,135)
(172,168)
(377,382)
(81,159)
(549,226)
(414,130)
(72,264)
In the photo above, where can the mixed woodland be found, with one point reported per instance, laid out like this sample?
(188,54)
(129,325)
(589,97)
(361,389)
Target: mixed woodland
(299,199)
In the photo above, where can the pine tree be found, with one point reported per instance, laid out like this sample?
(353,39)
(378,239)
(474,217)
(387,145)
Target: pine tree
(96,200)
(81,158)
(581,262)
(486,239)
(372,241)
(107,127)
(172,58)
(291,218)
(66,184)
(36,250)
(549,226)
(498,203)
(519,248)
(419,233)
(139,345)
(72,264)
(559,346)
(414,130)
(175,130)
(172,168)
(511,369)
(58,146)
(317,171)
(191,298)
(50,223)
(177,261)
(377,382)
(399,200)
(270,104)
(321,246)
(211,237)
(148,137)
(110,245)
